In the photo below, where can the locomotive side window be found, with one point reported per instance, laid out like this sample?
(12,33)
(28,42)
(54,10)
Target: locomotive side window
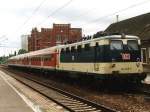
(87,47)
(132,45)
(116,45)
(79,48)
(73,49)
(67,50)
(62,50)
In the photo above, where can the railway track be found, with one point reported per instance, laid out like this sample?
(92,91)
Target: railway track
(71,102)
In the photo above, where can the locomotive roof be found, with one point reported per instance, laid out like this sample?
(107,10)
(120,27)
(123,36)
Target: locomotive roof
(53,49)
(102,38)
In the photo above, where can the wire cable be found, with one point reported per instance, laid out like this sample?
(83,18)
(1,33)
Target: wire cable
(34,11)
(122,10)
(57,10)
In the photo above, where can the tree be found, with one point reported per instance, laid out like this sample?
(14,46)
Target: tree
(15,53)
(22,51)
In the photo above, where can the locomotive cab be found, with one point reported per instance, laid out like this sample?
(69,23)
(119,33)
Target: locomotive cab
(125,56)
(121,58)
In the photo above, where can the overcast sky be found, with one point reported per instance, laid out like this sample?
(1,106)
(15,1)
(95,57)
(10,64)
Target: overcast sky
(18,17)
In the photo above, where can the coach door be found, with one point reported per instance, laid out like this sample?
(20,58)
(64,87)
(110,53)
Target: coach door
(143,55)
(96,57)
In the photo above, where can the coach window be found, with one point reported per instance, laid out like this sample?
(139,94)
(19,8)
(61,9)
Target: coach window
(45,59)
(79,48)
(38,58)
(49,58)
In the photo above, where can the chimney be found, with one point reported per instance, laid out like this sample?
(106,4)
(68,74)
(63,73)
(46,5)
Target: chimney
(117,18)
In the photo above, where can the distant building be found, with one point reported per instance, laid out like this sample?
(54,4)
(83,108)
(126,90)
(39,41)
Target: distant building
(48,37)
(24,42)
(33,40)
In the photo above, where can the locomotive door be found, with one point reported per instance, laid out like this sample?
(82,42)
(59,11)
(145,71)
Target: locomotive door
(96,57)
(143,55)
(57,60)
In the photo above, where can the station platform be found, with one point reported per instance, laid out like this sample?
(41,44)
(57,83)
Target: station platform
(10,101)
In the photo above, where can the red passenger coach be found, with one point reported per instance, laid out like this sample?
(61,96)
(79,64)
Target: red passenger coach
(45,58)
(50,60)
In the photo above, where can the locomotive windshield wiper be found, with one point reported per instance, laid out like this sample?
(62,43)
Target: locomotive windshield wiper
(113,47)
(130,48)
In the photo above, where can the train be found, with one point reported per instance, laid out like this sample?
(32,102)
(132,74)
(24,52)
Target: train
(110,57)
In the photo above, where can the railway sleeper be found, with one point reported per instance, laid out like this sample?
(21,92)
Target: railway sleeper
(73,104)
(78,107)
(83,110)
(97,111)
(70,102)
(64,98)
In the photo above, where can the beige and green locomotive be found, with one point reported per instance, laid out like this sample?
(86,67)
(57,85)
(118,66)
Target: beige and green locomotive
(107,57)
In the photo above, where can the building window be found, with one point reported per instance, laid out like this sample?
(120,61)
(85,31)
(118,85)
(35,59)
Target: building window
(58,37)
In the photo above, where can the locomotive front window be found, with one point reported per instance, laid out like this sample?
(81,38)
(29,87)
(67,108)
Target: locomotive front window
(132,45)
(116,45)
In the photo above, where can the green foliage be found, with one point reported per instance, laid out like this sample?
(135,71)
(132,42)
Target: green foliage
(3,59)
(22,51)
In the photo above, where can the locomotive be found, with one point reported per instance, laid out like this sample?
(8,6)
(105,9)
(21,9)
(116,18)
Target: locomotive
(108,57)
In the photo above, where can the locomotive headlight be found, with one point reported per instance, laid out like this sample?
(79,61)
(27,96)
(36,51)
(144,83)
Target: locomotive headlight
(113,65)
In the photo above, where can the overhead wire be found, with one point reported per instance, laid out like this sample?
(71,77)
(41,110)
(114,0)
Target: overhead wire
(84,13)
(32,14)
(38,7)
(122,10)
(57,10)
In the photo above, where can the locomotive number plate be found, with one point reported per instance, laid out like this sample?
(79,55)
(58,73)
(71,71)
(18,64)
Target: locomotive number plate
(125,56)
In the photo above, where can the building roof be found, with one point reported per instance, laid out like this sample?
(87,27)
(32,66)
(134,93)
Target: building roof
(139,25)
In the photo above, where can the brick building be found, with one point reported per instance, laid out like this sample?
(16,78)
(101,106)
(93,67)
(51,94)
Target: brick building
(47,37)
(33,40)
